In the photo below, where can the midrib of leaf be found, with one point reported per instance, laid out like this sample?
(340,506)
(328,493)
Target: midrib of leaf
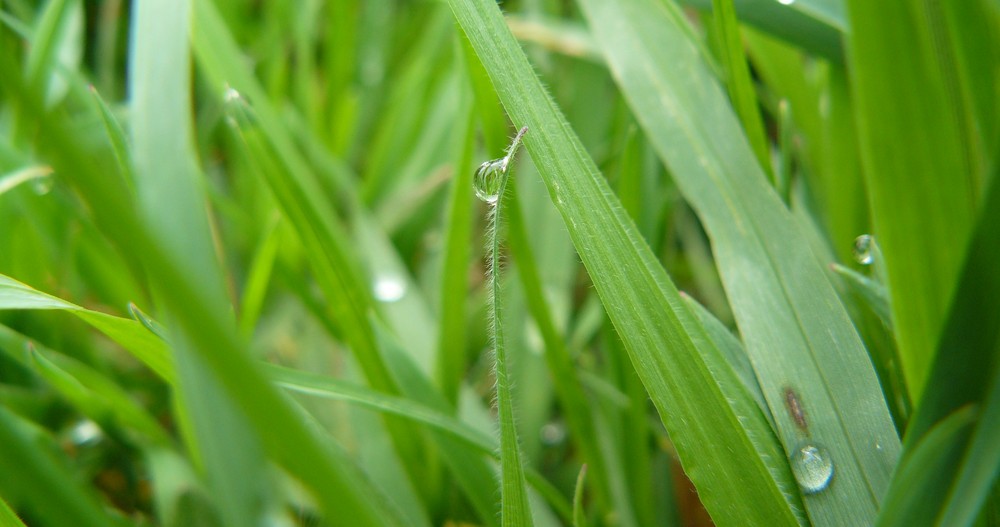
(645,308)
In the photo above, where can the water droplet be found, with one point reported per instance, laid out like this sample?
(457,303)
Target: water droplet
(389,288)
(786,2)
(490,175)
(553,433)
(42,185)
(813,467)
(488,178)
(863,249)
(85,432)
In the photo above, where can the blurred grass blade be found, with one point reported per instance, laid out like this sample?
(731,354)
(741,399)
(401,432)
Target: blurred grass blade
(796,331)
(713,422)
(97,396)
(172,203)
(922,159)
(559,362)
(965,372)
(814,25)
(7,516)
(980,465)
(286,438)
(130,334)
(30,470)
(729,47)
(874,293)
(579,516)
(937,450)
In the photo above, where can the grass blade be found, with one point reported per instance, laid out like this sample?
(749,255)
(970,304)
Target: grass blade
(797,333)
(29,469)
(923,171)
(715,439)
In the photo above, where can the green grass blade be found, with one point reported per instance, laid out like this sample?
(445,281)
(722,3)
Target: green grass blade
(936,451)
(797,23)
(31,471)
(515,510)
(559,362)
(923,172)
(7,516)
(965,372)
(454,272)
(796,332)
(295,446)
(130,334)
(171,201)
(715,425)
(579,516)
(729,47)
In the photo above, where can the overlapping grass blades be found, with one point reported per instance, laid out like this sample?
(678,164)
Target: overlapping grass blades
(724,440)
(796,331)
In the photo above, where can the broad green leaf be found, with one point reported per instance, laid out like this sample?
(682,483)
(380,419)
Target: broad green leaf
(722,438)
(797,334)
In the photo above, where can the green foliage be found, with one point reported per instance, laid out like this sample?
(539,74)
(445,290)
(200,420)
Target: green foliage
(339,334)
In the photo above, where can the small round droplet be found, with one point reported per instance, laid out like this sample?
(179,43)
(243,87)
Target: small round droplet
(812,466)
(389,288)
(42,185)
(553,433)
(488,178)
(863,250)
(786,2)
(85,432)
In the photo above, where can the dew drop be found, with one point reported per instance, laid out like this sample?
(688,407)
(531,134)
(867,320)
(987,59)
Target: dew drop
(42,185)
(488,178)
(389,288)
(553,433)
(863,250)
(786,2)
(85,432)
(813,467)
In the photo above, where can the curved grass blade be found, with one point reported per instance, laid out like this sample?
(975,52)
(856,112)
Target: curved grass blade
(796,331)
(7,516)
(724,441)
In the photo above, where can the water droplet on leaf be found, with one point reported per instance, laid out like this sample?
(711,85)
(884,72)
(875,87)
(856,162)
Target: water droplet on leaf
(863,250)
(389,288)
(813,467)
(786,2)
(42,185)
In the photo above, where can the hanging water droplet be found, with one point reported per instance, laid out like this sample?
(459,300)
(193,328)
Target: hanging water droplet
(42,185)
(389,288)
(490,175)
(488,178)
(863,250)
(786,2)
(812,466)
